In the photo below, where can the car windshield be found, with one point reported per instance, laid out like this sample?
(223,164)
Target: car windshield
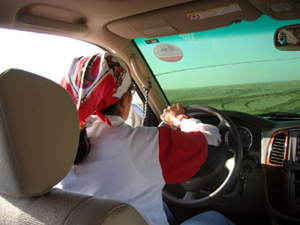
(232,68)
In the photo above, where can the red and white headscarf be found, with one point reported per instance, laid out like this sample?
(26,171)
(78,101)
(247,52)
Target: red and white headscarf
(95,83)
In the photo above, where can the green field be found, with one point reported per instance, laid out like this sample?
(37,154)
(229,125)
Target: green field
(251,98)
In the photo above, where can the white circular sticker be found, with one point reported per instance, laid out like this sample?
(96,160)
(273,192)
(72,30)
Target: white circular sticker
(168,52)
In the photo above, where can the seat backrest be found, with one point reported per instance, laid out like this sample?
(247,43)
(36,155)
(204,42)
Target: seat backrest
(39,133)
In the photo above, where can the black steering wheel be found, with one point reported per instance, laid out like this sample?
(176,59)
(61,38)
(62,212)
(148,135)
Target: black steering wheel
(218,159)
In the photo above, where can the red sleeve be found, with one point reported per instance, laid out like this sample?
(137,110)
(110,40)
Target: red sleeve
(181,154)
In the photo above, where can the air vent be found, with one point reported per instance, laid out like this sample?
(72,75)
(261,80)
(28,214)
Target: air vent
(278,148)
(297,157)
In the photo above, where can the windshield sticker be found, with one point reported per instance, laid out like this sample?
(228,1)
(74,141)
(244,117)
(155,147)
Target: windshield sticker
(152,41)
(225,9)
(168,52)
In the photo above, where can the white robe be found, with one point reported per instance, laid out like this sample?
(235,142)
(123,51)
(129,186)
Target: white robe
(133,164)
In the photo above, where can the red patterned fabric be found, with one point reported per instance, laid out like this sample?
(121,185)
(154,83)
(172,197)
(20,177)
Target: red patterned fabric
(96,82)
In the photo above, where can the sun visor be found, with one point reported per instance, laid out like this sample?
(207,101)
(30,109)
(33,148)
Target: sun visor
(198,16)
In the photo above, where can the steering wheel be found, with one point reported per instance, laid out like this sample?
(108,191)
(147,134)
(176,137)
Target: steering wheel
(218,159)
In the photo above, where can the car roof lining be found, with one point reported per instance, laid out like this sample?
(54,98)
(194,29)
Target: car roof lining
(114,25)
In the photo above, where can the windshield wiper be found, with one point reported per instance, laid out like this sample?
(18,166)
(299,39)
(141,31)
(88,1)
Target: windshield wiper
(280,115)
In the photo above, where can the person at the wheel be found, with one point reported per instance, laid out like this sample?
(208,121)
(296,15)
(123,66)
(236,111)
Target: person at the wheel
(129,164)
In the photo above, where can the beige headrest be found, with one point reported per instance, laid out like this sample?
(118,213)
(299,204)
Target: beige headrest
(39,133)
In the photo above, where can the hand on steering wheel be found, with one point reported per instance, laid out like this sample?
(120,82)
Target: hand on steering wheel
(173,114)
(216,162)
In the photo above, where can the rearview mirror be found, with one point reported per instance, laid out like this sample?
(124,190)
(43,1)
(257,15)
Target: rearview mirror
(288,38)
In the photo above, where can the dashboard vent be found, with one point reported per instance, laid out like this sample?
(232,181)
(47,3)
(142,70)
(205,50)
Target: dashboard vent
(278,148)
(297,158)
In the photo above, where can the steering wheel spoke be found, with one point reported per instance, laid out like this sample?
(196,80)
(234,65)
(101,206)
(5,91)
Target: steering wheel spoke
(190,196)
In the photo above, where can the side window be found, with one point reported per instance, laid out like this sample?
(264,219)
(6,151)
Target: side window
(46,55)
(135,117)
(50,56)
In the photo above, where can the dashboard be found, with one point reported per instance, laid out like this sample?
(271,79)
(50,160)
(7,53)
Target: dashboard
(271,162)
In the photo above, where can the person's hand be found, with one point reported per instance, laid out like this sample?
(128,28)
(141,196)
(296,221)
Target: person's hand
(173,114)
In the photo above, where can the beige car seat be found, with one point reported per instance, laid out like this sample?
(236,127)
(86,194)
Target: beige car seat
(38,142)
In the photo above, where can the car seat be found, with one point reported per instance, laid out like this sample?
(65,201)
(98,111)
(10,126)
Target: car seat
(39,135)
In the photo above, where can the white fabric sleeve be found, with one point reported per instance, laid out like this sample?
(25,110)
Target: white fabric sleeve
(210,132)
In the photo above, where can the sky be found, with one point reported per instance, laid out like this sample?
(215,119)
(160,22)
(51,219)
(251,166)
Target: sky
(225,56)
